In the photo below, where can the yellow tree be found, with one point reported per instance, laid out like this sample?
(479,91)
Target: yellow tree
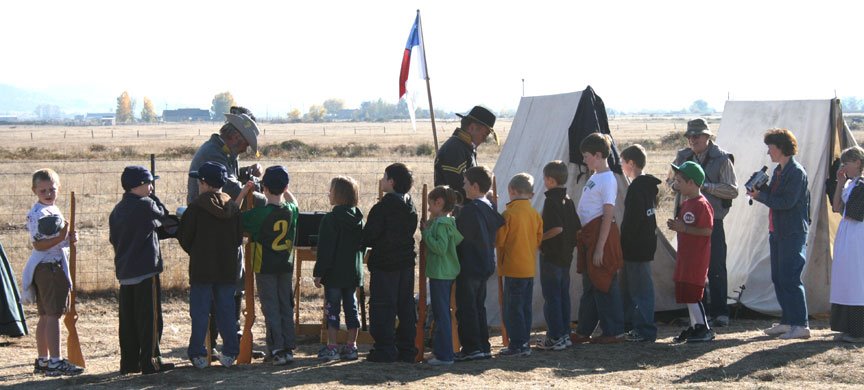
(222,103)
(124,108)
(294,115)
(148,113)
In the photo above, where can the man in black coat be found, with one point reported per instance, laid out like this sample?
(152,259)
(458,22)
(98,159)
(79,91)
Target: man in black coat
(459,152)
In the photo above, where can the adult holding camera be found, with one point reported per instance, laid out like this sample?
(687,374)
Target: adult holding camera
(788,201)
(719,188)
(847,270)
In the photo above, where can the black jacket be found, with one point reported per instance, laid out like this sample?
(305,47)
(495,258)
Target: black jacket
(455,156)
(340,260)
(132,232)
(389,232)
(478,224)
(211,233)
(559,212)
(639,226)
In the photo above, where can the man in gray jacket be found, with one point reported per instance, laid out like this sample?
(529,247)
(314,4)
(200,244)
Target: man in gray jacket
(720,188)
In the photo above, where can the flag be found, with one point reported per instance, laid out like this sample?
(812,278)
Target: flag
(414,40)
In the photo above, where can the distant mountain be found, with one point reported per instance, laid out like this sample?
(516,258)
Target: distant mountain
(14,100)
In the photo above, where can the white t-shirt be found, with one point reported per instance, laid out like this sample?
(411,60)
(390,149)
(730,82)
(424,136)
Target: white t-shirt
(54,253)
(601,189)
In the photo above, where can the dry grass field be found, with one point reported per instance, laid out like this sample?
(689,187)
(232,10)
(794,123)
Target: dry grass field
(89,160)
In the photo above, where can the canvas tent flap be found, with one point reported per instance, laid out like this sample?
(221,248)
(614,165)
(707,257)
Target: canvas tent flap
(12,321)
(741,132)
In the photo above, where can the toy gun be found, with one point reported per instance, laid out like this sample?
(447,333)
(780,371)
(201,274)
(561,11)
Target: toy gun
(505,339)
(245,356)
(73,346)
(419,339)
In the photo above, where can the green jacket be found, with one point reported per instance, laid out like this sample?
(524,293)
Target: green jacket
(441,238)
(340,260)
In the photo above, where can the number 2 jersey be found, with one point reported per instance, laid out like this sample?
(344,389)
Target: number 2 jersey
(273,229)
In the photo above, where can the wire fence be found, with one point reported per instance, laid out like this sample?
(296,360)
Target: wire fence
(97,188)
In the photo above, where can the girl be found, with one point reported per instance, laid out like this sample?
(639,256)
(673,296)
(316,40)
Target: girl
(441,238)
(847,272)
(339,266)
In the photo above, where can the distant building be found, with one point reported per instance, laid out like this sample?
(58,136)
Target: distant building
(186,115)
(8,119)
(344,115)
(102,119)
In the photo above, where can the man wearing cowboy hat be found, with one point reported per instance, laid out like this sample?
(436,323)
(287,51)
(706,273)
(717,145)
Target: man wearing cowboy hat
(720,188)
(239,133)
(459,152)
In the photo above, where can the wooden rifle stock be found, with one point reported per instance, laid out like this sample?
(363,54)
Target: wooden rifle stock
(505,339)
(420,338)
(73,345)
(245,356)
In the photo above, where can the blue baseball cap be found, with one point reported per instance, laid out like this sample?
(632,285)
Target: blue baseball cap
(212,173)
(134,176)
(275,177)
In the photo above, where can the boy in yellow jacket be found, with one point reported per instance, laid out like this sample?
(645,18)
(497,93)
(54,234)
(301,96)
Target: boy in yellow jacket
(517,243)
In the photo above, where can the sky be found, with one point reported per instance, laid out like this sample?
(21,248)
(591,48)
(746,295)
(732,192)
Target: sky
(276,56)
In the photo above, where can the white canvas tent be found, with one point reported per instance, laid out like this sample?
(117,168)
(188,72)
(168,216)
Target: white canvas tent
(539,134)
(822,134)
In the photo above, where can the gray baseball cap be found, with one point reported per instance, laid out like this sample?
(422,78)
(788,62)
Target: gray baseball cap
(247,128)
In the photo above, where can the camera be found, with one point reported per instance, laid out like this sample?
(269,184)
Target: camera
(758,180)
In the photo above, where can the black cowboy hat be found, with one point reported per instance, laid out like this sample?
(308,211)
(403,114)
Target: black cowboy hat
(483,116)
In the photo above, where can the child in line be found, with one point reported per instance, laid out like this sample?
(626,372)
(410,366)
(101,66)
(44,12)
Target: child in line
(389,232)
(517,243)
(273,230)
(560,224)
(339,266)
(694,224)
(847,291)
(442,267)
(638,244)
(46,277)
(211,233)
(138,263)
(599,248)
(478,222)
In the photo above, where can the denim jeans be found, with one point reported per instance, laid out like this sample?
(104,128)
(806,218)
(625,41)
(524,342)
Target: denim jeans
(787,263)
(555,283)
(201,295)
(637,292)
(517,309)
(471,314)
(718,285)
(277,304)
(336,297)
(391,295)
(596,307)
(442,339)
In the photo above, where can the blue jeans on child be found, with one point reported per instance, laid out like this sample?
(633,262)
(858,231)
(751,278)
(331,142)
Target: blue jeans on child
(637,291)
(787,263)
(277,304)
(201,295)
(442,339)
(555,283)
(517,310)
(336,297)
(596,307)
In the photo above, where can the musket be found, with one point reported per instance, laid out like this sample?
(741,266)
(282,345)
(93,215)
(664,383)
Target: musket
(245,356)
(73,345)
(420,337)
(505,340)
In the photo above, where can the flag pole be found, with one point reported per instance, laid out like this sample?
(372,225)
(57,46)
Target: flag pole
(428,88)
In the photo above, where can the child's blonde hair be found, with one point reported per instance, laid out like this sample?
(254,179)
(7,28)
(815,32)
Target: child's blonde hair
(345,190)
(522,184)
(45,174)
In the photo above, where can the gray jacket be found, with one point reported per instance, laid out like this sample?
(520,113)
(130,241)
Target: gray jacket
(215,150)
(720,181)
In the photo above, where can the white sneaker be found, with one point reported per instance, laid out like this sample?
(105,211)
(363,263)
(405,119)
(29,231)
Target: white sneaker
(435,362)
(199,362)
(797,332)
(226,360)
(777,329)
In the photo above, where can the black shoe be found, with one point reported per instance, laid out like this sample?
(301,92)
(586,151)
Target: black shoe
(377,357)
(258,355)
(700,334)
(683,336)
(162,368)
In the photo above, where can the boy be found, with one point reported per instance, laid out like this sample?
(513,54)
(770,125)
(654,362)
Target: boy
(273,230)
(638,243)
(517,244)
(210,232)
(389,232)
(478,222)
(46,274)
(599,245)
(694,224)
(137,264)
(560,224)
